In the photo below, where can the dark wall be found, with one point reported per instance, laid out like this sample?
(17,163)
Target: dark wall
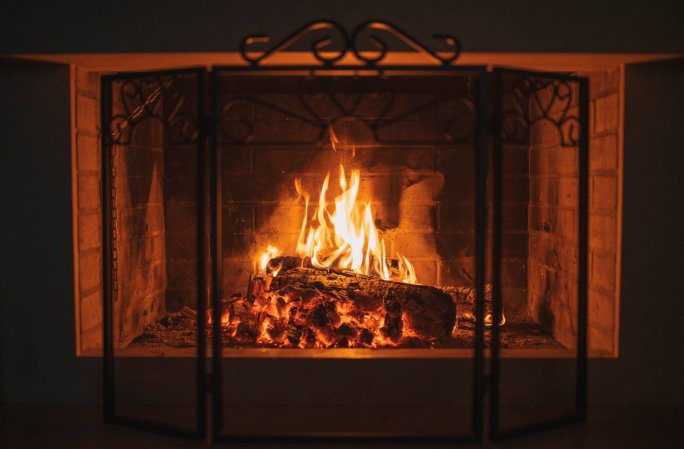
(652,304)
(491,25)
(37,320)
(36,301)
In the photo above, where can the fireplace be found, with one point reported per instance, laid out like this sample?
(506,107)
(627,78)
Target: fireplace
(350,206)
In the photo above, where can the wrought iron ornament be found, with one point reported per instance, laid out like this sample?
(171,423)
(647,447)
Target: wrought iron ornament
(529,100)
(161,98)
(370,105)
(329,43)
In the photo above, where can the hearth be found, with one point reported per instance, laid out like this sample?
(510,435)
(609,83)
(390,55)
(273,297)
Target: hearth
(352,204)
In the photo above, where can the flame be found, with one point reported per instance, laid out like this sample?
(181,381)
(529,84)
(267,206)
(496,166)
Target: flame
(333,137)
(225,318)
(342,234)
(270,253)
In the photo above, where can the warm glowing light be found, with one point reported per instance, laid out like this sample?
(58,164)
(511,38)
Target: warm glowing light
(270,253)
(341,234)
(488,319)
(333,137)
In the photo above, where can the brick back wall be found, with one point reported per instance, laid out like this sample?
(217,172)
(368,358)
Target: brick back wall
(605,172)
(553,225)
(156,221)
(141,277)
(180,192)
(553,221)
(180,217)
(140,232)
(88,208)
(514,226)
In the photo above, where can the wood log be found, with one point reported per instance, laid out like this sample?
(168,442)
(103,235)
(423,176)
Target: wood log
(425,311)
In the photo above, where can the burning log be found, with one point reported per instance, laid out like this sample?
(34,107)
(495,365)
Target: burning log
(408,309)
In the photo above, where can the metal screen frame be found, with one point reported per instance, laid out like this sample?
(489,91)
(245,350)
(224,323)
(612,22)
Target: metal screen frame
(500,137)
(107,142)
(488,135)
(481,143)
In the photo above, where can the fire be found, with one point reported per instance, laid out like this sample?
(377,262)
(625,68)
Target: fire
(488,319)
(270,253)
(341,234)
(338,234)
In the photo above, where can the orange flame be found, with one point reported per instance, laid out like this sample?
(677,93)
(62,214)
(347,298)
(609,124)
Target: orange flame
(266,257)
(489,319)
(342,234)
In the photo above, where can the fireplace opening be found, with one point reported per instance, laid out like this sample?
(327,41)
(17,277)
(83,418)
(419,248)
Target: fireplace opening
(353,221)
(404,146)
(354,205)
(300,261)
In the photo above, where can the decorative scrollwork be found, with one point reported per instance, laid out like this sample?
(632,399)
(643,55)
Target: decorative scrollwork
(370,30)
(530,100)
(161,98)
(366,111)
(330,43)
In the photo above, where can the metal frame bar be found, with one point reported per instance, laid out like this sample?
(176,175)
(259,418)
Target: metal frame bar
(108,387)
(481,214)
(480,380)
(581,358)
(216,249)
(213,162)
(109,384)
(583,261)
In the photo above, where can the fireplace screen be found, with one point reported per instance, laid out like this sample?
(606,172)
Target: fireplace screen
(296,213)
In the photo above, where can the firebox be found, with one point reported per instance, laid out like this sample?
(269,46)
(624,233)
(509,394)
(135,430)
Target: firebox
(357,205)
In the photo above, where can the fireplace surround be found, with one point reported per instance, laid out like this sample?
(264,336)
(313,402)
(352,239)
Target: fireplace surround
(524,255)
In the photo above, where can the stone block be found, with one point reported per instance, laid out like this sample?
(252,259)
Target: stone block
(602,270)
(563,161)
(514,272)
(181,274)
(88,150)
(603,193)
(543,191)
(606,113)
(89,270)
(417,218)
(456,217)
(514,217)
(91,310)
(457,272)
(87,82)
(89,192)
(568,192)
(515,191)
(514,244)
(603,233)
(603,153)
(455,245)
(87,114)
(426,270)
(458,162)
(515,161)
(89,235)
(92,338)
